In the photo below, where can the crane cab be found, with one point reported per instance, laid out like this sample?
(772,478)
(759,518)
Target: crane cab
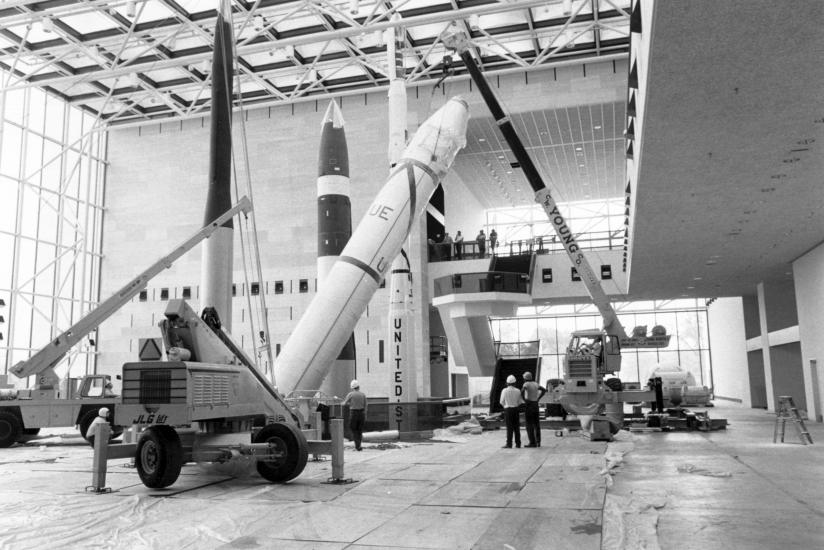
(590,355)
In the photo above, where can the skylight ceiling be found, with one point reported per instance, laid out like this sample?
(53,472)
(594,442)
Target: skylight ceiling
(133,61)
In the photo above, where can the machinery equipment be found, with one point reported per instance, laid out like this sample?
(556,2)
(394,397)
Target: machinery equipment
(591,355)
(207,403)
(24,412)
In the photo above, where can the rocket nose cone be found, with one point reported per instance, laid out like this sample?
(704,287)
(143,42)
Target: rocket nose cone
(333,115)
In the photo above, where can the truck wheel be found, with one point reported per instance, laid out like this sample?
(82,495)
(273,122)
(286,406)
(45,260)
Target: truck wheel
(159,457)
(10,429)
(289,443)
(31,431)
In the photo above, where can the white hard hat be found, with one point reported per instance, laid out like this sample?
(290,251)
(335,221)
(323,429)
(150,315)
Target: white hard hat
(103,412)
(510,379)
(354,384)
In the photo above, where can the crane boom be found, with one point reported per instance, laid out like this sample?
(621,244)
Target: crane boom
(44,361)
(460,43)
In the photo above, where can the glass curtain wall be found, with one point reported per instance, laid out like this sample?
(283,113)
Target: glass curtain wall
(52,169)
(685,320)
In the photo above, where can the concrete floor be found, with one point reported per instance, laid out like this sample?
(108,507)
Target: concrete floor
(727,489)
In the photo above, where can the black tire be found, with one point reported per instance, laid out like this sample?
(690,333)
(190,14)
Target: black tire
(290,444)
(10,429)
(159,457)
(614,384)
(31,431)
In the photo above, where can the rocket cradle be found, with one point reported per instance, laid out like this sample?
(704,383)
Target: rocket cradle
(323,330)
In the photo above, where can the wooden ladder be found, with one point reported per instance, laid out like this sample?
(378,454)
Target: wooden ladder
(787,410)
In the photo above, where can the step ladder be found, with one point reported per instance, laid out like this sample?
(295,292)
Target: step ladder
(787,410)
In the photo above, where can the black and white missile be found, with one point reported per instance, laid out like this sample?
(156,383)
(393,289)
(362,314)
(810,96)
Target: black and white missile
(218,253)
(323,330)
(334,228)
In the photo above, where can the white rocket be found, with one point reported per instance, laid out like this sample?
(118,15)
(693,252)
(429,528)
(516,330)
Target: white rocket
(402,379)
(333,313)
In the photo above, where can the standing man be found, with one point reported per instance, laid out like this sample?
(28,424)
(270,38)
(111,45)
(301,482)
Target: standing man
(532,393)
(510,399)
(356,400)
(493,241)
(481,240)
(102,418)
(447,246)
(459,246)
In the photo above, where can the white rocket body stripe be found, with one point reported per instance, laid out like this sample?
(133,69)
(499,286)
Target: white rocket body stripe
(333,313)
(333,185)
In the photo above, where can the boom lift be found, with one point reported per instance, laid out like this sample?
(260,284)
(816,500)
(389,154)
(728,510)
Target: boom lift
(592,354)
(206,403)
(24,412)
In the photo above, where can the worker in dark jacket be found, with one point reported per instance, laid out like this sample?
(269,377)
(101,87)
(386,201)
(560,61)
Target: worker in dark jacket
(532,393)
(356,400)
(510,400)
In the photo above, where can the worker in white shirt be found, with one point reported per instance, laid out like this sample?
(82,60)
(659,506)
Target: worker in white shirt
(356,400)
(102,418)
(510,400)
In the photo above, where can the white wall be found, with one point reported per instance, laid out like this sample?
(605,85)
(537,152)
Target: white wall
(728,351)
(808,274)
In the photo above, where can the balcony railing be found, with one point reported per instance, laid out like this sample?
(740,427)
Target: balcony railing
(487,281)
(542,244)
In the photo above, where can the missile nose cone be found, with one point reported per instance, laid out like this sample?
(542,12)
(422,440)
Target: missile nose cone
(333,115)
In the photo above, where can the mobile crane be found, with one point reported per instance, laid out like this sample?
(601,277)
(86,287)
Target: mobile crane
(591,354)
(23,412)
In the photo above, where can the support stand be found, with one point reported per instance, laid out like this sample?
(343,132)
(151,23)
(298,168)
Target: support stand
(336,428)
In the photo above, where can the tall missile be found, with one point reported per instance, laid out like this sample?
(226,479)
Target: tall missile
(218,253)
(402,379)
(334,228)
(333,313)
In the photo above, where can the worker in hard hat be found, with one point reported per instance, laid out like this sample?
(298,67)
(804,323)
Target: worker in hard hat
(510,400)
(356,400)
(532,392)
(102,418)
